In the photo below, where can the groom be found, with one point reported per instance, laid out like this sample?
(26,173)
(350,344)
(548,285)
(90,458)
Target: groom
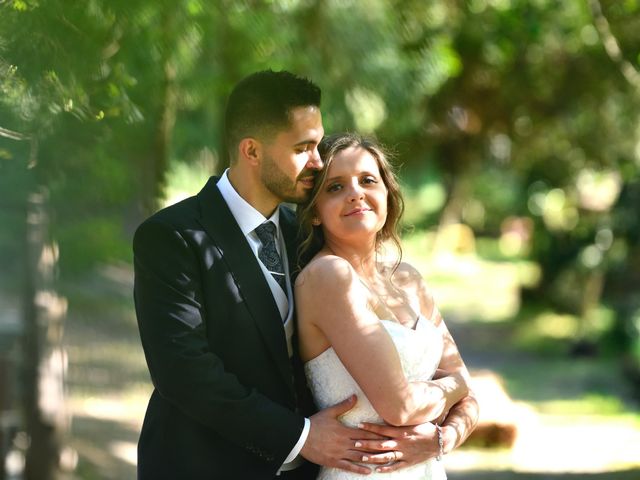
(214,304)
(216,325)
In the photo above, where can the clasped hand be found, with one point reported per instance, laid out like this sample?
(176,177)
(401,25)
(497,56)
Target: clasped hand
(385,448)
(399,447)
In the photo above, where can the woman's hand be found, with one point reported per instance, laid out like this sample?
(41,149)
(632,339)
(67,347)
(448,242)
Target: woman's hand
(404,446)
(441,394)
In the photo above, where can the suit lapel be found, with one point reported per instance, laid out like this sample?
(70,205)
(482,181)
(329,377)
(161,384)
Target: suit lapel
(289,229)
(218,222)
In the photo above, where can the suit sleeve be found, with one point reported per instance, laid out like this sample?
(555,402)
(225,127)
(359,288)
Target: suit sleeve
(184,370)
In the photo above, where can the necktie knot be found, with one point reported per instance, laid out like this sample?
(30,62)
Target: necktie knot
(266,232)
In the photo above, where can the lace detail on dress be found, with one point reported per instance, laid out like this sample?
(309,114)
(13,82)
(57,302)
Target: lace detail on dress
(420,351)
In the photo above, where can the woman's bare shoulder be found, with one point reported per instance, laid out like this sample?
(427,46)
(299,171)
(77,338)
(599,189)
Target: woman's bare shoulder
(406,275)
(326,269)
(409,278)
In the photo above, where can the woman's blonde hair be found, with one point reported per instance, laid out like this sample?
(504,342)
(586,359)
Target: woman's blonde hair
(311,235)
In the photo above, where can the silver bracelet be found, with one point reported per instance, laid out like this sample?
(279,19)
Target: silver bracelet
(440,442)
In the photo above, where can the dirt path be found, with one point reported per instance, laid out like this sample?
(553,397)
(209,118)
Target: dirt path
(108,382)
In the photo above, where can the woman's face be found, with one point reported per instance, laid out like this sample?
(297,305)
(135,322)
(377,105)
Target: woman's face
(353,200)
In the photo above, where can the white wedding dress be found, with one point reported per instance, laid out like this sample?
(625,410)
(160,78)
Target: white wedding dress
(420,351)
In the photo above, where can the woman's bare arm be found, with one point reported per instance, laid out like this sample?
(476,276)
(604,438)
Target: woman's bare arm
(462,417)
(331,300)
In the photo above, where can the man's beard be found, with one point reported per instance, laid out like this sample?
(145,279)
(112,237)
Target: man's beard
(280,185)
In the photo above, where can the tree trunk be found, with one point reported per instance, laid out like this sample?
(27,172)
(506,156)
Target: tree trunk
(44,358)
(157,160)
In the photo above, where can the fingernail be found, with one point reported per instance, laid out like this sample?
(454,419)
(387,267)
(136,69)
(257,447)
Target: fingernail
(365,458)
(361,425)
(358,444)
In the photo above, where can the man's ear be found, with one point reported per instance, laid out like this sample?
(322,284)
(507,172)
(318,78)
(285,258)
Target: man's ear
(250,149)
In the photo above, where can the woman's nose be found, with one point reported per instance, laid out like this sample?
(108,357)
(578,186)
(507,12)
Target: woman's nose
(355,192)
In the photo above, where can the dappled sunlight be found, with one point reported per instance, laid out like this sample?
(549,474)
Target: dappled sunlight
(105,433)
(462,280)
(367,107)
(108,382)
(126,451)
(185,180)
(516,236)
(577,444)
(500,417)
(126,408)
(598,191)
(464,284)
(551,442)
(558,211)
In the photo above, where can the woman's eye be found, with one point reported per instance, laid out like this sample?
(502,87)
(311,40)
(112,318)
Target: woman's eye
(368,180)
(334,187)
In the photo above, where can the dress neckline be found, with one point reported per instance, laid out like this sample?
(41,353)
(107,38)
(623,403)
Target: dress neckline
(416,315)
(422,323)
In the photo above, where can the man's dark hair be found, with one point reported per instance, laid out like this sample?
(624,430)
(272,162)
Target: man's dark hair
(261,103)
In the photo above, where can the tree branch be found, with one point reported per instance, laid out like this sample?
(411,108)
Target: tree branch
(4,132)
(32,139)
(611,45)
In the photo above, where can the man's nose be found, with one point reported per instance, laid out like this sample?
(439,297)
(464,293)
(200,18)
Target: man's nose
(315,162)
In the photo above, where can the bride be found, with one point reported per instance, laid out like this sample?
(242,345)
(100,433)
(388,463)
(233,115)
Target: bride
(369,327)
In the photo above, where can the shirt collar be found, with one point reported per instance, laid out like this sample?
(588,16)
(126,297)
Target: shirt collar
(247,217)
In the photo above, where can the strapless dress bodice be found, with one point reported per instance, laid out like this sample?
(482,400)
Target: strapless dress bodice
(420,351)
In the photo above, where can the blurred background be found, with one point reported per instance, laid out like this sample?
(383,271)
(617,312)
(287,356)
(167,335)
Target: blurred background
(516,128)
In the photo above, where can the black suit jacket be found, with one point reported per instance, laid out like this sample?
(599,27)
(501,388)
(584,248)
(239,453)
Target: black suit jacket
(224,404)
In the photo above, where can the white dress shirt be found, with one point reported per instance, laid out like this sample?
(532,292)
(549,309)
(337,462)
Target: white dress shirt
(248,219)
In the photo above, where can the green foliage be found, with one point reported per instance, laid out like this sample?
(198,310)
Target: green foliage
(499,111)
(89,240)
(14,180)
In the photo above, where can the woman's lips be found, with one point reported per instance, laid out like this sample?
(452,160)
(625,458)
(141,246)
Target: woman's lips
(357,211)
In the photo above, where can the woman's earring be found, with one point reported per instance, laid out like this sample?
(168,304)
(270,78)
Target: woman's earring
(315,221)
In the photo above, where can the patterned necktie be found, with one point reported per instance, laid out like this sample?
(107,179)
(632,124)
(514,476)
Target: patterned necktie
(268,253)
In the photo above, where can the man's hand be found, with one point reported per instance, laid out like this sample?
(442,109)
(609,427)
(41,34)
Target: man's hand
(407,446)
(403,446)
(331,444)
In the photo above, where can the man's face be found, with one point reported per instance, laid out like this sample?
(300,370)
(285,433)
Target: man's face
(291,160)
